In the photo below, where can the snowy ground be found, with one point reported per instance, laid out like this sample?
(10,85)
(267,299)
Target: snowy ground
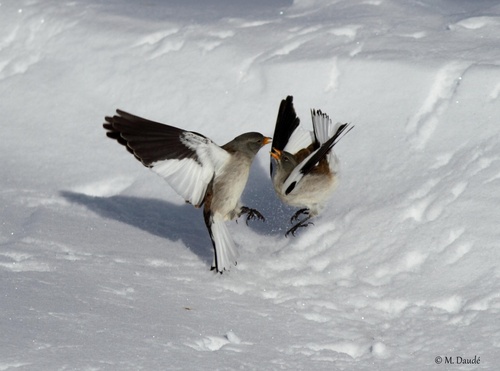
(103,267)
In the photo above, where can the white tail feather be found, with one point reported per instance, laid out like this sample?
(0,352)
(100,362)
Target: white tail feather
(225,248)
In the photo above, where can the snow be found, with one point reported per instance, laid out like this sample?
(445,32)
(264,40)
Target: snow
(104,267)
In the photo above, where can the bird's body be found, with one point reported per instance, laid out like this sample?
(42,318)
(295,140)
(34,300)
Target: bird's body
(313,191)
(202,172)
(306,168)
(229,185)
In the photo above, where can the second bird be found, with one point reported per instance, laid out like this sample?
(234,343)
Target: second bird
(306,168)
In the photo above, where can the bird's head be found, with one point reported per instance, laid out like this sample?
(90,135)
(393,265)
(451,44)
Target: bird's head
(284,159)
(250,143)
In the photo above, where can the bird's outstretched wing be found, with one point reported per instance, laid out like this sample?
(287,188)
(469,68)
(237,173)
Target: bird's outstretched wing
(286,123)
(187,160)
(308,164)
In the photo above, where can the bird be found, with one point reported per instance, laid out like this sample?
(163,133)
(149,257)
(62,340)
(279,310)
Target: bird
(305,169)
(202,172)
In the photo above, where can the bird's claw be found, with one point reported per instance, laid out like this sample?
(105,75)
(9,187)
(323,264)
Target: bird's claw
(302,224)
(299,213)
(252,214)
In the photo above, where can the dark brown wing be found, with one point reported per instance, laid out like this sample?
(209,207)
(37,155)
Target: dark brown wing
(147,140)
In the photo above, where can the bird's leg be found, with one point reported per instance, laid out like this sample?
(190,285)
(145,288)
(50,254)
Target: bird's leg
(251,214)
(298,213)
(302,224)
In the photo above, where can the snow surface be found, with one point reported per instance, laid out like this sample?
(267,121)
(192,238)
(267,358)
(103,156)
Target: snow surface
(103,267)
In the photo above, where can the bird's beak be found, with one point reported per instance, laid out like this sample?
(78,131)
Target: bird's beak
(276,154)
(266,140)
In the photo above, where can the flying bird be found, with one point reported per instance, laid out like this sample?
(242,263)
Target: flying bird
(305,169)
(199,170)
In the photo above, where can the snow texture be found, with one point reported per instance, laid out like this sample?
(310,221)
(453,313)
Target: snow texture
(104,267)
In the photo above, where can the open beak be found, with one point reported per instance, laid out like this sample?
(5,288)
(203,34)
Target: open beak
(276,154)
(266,140)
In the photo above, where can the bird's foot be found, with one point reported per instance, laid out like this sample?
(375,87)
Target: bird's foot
(301,224)
(304,211)
(251,214)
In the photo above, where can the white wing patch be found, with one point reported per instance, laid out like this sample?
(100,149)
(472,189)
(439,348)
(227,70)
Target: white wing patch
(299,139)
(186,177)
(190,177)
(207,151)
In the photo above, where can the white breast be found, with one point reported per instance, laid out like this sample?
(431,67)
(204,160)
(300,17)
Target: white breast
(229,185)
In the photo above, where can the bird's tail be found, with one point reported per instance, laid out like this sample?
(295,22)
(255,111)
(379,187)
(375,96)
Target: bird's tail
(225,252)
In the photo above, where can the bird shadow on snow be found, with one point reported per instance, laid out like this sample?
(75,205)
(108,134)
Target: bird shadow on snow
(158,217)
(184,222)
(259,194)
